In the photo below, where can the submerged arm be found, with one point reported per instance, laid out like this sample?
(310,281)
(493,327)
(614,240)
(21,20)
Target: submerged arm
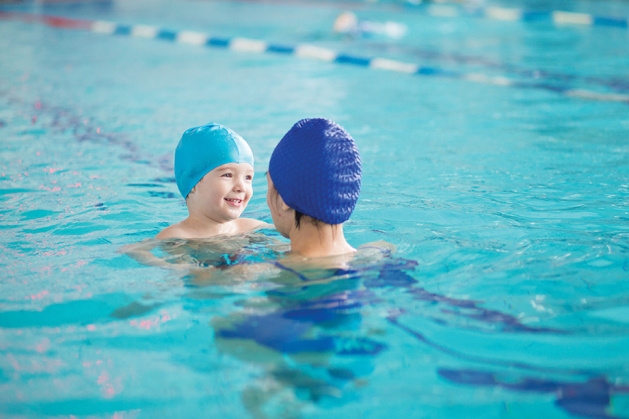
(142,253)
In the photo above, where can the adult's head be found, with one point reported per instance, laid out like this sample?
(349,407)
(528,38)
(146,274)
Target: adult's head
(315,171)
(203,149)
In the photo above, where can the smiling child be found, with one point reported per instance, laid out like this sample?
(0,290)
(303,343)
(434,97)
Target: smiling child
(214,173)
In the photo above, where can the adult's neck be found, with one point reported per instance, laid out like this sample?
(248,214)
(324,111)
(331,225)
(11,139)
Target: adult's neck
(310,240)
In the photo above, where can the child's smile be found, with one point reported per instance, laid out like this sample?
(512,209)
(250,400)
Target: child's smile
(223,194)
(233,201)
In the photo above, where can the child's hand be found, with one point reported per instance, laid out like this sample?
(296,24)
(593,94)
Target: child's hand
(382,245)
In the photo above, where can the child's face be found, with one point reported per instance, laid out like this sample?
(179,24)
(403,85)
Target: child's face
(224,193)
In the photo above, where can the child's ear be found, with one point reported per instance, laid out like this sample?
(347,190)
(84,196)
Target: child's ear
(191,193)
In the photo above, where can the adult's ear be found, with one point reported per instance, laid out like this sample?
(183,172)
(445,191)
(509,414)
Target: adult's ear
(284,206)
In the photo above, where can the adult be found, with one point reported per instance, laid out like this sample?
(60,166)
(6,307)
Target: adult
(314,181)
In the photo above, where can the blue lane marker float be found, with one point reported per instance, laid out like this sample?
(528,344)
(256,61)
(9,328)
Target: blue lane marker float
(304,51)
(558,17)
(307,51)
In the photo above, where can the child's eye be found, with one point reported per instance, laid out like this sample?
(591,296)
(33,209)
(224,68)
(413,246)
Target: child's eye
(249,177)
(227,174)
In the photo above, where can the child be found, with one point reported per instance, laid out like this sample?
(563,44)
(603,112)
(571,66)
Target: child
(214,171)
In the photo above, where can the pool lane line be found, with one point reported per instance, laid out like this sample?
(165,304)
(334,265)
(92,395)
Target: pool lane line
(53,21)
(559,18)
(306,51)
(615,84)
(327,55)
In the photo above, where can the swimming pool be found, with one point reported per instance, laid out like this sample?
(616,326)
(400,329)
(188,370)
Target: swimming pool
(498,168)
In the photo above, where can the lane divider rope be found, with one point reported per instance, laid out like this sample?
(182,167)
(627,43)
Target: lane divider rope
(306,51)
(558,17)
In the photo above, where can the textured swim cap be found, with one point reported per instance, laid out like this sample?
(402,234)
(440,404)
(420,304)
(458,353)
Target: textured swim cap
(202,149)
(316,169)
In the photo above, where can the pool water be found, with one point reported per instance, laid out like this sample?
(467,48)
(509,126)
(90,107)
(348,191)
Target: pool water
(508,203)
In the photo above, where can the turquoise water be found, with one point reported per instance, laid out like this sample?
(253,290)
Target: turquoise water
(508,295)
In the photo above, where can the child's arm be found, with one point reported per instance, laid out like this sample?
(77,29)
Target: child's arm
(380,245)
(142,253)
(250,224)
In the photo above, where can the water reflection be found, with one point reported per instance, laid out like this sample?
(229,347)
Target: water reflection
(307,328)
(592,398)
(305,331)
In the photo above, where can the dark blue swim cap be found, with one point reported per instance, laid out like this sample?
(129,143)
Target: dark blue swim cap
(316,169)
(202,149)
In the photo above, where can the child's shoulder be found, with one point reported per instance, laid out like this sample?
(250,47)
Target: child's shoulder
(183,231)
(174,231)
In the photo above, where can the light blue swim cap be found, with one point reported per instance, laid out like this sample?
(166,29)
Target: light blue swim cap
(202,149)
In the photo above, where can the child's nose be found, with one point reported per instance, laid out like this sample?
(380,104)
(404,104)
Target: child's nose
(239,185)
